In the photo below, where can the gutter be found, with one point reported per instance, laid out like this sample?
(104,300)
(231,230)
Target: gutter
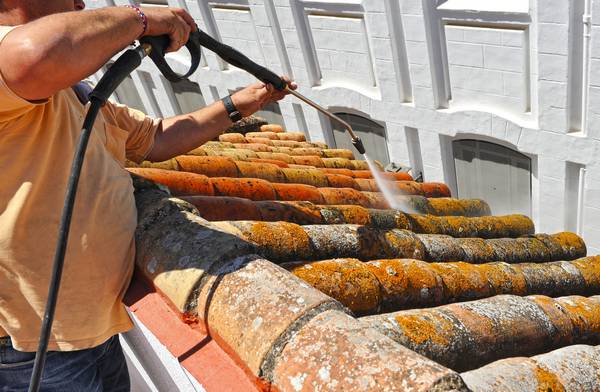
(587,37)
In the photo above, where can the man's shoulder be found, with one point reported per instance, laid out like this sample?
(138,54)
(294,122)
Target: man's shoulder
(5,30)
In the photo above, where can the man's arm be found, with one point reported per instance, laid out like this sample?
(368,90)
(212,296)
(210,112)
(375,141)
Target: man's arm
(181,134)
(49,54)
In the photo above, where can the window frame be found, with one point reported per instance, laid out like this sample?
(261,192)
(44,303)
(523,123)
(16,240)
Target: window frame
(449,167)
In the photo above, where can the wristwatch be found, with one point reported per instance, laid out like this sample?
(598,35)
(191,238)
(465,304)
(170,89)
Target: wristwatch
(234,114)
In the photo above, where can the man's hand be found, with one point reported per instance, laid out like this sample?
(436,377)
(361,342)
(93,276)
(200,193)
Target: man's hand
(51,53)
(175,22)
(181,134)
(254,97)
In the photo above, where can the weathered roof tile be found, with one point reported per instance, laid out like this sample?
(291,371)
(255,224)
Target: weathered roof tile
(466,335)
(333,352)
(573,368)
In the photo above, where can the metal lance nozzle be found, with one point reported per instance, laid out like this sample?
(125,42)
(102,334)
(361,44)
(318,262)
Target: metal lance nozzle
(358,144)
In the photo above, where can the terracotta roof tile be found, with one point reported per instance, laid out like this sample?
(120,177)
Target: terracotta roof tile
(467,335)
(273,197)
(573,368)
(394,284)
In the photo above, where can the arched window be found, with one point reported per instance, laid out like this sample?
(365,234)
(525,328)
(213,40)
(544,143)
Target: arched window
(371,133)
(494,173)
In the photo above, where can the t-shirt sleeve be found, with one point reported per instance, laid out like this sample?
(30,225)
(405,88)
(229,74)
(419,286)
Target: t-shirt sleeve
(11,104)
(141,129)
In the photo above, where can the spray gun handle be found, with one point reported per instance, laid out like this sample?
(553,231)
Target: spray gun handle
(159,45)
(238,59)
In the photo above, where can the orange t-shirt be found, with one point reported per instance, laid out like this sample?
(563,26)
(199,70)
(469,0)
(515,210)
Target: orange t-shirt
(37,143)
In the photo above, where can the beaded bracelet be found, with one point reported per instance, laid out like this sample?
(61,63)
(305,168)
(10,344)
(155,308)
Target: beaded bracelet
(141,16)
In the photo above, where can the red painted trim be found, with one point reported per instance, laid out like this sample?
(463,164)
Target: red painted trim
(195,350)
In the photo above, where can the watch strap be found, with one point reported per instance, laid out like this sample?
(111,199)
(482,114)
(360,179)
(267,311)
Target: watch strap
(232,111)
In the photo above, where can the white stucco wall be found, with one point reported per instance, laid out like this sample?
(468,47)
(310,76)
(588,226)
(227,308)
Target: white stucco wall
(507,72)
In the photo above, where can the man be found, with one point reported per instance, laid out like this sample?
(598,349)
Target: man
(45,48)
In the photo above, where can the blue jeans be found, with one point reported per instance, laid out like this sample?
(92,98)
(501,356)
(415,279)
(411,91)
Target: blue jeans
(97,369)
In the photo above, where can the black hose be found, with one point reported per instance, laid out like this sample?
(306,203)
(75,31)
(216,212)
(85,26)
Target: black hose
(125,64)
(61,246)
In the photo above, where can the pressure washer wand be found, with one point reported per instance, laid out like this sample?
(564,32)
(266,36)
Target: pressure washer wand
(355,139)
(238,59)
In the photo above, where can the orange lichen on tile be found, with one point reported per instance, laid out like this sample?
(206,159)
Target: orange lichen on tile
(312,177)
(295,136)
(435,189)
(341,181)
(232,138)
(300,212)
(590,271)
(505,278)
(251,188)
(376,200)
(405,187)
(220,208)
(488,329)
(275,156)
(289,144)
(353,214)
(265,171)
(282,150)
(310,151)
(463,281)
(570,242)
(338,196)
(367,184)
(346,280)
(236,154)
(211,166)
(343,172)
(559,317)
(372,243)
(258,140)
(363,165)
(572,368)
(180,183)
(276,240)
(298,192)
(270,161)
(338,163)
(477,250)
(333,352)
(409,283)
(276,128)
(265,135)
(585,315)
(170,164)
(199,151)
(308,160)
(338,153)
(448,206)
(256,147)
